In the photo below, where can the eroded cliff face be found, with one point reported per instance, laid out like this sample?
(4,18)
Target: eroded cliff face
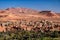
(9,16)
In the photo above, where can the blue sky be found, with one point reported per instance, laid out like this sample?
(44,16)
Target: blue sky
(53,5)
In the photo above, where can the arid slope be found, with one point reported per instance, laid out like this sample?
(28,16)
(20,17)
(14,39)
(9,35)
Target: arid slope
(25,13)
(13,14)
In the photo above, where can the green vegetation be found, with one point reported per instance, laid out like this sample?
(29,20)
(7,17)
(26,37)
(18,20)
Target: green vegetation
(29,35)
(41,30)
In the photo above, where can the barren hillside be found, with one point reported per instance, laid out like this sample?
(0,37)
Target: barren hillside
(17,11)
(25,16)
(25,13)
